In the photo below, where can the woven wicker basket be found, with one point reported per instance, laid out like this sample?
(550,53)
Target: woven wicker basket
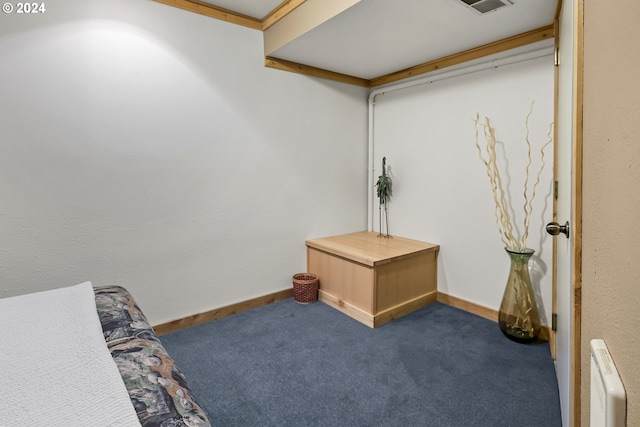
(305,288)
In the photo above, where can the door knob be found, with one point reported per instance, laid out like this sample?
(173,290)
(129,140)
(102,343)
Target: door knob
(554,228)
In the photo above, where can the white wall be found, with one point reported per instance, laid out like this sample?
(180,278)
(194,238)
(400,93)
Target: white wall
(610,199)
(147,146)
(441,193)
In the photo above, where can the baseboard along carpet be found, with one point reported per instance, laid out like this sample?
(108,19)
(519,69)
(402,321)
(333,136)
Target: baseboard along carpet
(288,364)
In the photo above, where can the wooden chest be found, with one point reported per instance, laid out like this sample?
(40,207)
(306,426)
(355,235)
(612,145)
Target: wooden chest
(374,279)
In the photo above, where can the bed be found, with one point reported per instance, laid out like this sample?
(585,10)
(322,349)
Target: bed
(58,371)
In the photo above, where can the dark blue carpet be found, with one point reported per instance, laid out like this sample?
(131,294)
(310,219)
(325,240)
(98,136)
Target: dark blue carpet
(288,364)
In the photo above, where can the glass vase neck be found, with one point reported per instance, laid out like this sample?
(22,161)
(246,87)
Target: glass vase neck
(528,253)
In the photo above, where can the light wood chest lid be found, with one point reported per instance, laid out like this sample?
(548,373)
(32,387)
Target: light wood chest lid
(365,247)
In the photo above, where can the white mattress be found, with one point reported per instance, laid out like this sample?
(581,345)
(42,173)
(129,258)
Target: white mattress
(55,368)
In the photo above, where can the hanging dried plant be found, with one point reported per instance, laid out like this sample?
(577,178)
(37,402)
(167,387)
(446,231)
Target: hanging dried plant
(506,227)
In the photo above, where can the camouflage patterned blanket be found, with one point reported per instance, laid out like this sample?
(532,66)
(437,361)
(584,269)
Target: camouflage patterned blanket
(158,390)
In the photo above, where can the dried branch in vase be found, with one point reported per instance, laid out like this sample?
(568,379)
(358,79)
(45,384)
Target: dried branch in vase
(506,226)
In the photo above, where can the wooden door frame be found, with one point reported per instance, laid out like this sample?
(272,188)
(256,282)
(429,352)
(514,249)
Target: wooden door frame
(576,279)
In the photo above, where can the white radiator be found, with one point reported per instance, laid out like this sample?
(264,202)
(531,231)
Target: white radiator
(608,398)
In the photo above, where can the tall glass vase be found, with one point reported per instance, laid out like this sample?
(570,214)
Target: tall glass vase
(518,315)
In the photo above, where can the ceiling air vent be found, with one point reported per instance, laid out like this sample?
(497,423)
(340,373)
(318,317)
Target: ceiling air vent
(484,6)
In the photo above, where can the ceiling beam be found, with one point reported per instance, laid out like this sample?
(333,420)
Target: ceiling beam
(215,12)
(294,67)
(206,9)
(468,55)
(312,14)
(280,12)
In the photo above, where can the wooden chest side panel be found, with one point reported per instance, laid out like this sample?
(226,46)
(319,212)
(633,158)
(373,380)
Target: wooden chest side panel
(405,280)
(345,280)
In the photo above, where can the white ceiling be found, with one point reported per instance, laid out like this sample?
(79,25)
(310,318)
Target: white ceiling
(254,8)
(377,37)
